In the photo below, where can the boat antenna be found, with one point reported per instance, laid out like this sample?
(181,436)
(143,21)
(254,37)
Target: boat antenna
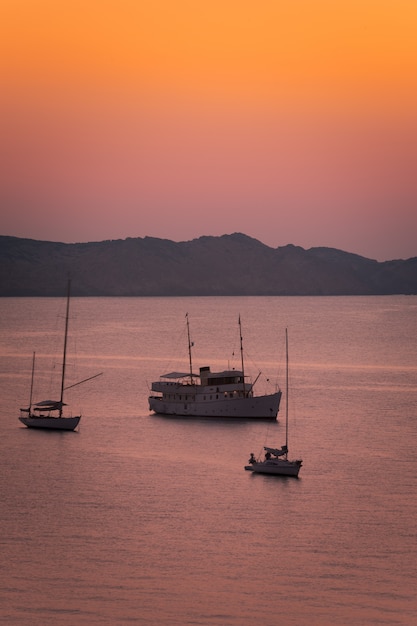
(286,392)
(241,356)
(65,348)
(31,384)
(190,345)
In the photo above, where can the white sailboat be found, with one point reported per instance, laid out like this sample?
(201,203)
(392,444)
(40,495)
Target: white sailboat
(225,394)
(48,414)
(276,460)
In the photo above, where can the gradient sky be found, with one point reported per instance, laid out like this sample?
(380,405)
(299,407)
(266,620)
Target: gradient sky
(292,122)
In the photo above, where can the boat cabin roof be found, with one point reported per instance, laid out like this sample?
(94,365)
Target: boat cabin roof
(224,374)
(203,372)
(180,375)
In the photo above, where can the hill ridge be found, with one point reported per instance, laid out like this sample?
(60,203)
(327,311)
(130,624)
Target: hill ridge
(230,264)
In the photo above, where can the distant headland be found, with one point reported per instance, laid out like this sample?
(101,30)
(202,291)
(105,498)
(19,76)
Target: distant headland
(228,265)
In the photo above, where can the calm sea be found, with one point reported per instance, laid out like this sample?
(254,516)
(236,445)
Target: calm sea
(149,520)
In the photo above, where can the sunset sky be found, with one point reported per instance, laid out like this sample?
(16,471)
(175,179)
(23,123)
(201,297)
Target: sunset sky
(290,121)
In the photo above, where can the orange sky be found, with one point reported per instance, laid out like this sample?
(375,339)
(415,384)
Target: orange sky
(294,122)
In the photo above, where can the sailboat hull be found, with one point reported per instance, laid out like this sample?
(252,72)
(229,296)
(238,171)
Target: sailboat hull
(51,423)
(276,467)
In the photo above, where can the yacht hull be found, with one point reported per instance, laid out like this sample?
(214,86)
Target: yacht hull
(257,407)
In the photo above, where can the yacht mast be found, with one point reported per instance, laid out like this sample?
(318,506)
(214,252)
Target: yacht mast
(286,392)
(190,344)
(241,356)
(65,348)
(31,385)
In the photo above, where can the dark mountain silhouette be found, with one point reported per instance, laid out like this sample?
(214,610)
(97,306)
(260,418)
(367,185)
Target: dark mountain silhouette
(209,266)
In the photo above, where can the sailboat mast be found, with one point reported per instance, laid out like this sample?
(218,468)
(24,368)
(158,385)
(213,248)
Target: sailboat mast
(286,392)
(189,348)
(241,356)
(31,384)
(65,348)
